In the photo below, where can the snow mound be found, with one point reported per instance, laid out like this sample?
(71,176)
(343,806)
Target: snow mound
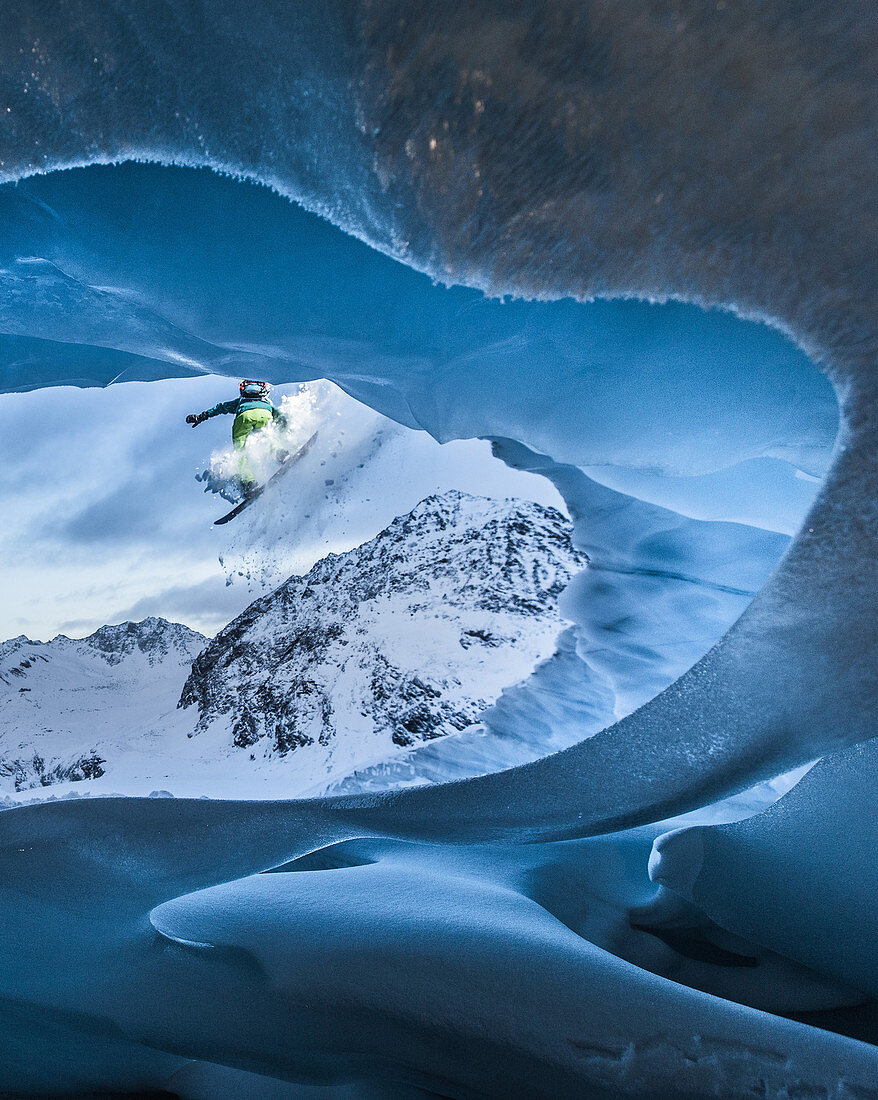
(801,877)
(367,963)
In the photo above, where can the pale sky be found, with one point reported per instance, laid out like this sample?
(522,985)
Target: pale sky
(104,520)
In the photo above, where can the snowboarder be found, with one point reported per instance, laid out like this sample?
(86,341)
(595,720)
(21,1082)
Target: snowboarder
(253,411)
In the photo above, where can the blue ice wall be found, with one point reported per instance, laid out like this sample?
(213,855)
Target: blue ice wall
(550,153)
(131,271)
(188,271)
(139,271)
(720,154)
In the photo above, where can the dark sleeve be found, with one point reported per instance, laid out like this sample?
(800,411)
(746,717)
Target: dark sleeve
(278,416)
(223,407)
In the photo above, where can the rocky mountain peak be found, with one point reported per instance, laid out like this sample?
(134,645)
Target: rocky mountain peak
(402,640)
(155,637)
(408,637)
(63,702)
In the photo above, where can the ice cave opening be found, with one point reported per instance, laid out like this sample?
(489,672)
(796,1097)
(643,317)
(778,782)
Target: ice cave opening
(687,445)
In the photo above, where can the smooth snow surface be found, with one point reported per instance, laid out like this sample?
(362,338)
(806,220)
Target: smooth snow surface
(722,155)
(506,971)
(785,877)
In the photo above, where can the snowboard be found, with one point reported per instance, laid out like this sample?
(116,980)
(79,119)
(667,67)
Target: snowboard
(257,493)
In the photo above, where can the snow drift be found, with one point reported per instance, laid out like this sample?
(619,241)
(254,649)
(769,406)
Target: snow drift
(722,155)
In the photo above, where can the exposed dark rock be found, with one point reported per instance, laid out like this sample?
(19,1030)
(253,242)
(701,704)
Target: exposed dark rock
(323,652)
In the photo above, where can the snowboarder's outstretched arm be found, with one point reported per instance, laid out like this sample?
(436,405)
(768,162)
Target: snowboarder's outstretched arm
(223,407)
(279,418)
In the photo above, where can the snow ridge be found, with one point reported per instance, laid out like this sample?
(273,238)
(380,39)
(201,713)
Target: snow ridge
(156,638)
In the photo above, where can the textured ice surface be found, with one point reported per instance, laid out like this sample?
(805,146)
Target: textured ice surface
(724,155)
(799,878)
(186,272)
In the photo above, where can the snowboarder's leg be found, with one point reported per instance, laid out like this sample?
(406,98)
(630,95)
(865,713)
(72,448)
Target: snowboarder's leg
(279,452)
(244,425)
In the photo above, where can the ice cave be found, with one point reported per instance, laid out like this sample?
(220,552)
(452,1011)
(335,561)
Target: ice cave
(629,247)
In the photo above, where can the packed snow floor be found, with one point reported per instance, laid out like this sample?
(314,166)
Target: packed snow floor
(144,948)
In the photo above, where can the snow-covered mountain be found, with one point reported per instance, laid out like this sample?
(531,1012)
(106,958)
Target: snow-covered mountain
(405,639)
(67,705)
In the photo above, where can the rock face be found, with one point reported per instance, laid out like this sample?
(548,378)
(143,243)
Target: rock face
(404,639)
(65,703)
(156,639)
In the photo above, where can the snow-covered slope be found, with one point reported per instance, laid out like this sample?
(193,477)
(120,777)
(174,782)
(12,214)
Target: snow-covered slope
(403,640)
(68,706)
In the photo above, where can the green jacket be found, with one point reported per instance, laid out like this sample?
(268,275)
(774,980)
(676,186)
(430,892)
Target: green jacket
(239,405)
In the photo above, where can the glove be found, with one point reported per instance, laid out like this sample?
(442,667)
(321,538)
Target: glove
(195,419)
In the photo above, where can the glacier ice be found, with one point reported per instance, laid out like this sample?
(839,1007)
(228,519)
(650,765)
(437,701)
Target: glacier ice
(460,970)
(783,878)
(115,276)
(720,155)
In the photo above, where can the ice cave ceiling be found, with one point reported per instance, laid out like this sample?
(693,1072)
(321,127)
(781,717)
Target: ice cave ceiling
(136,272)
(715,158)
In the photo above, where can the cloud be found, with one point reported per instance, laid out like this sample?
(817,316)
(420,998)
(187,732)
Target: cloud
(98,487)
(206,606)
(119,518)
